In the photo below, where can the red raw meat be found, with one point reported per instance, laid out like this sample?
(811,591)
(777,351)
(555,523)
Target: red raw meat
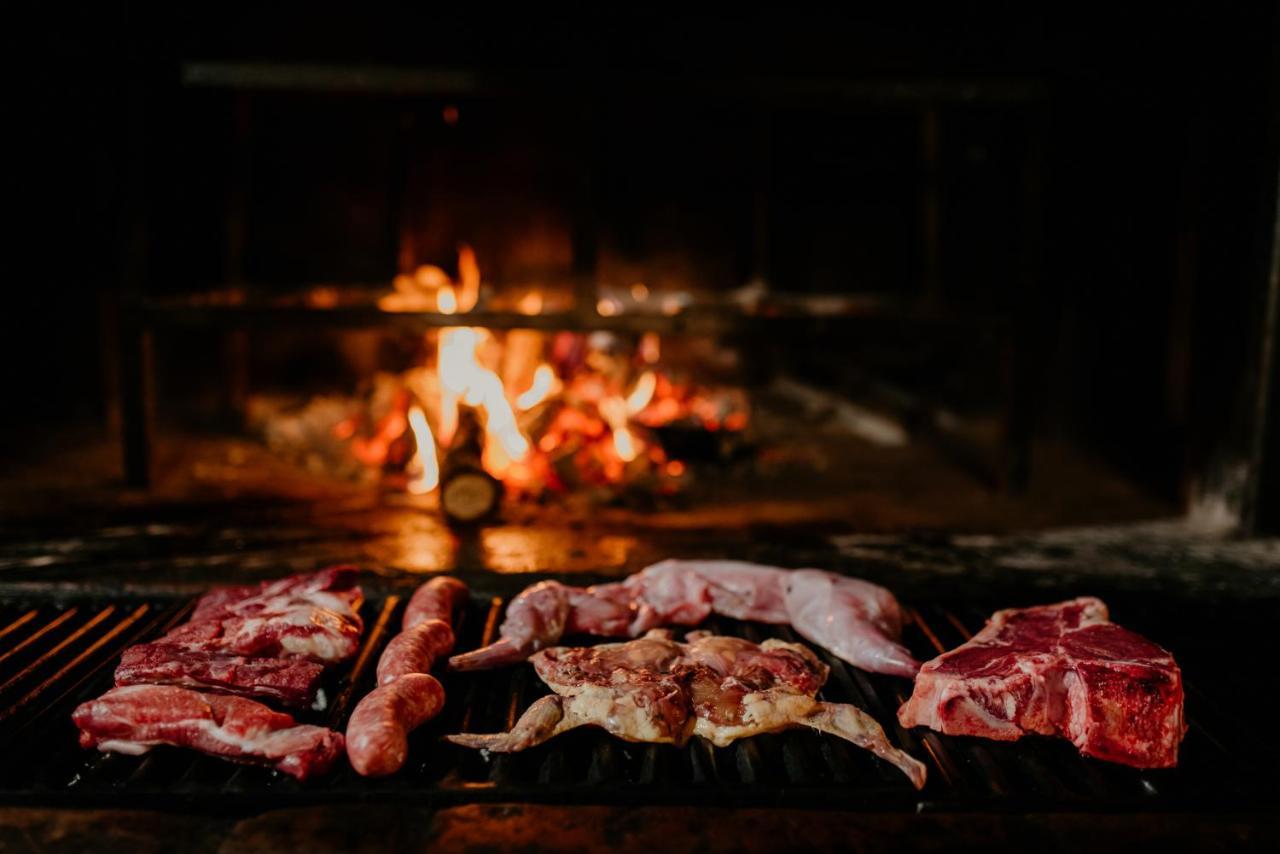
(291,682)
(312,616)
(1060,670)
(133,719)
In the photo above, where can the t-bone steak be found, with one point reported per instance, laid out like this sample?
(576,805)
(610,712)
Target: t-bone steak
(1062,670)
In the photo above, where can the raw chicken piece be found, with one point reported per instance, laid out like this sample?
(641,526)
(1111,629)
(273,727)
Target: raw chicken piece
(858,621)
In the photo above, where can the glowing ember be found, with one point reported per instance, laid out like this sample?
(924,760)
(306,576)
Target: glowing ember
(424,468)
(650,348)
(544,383)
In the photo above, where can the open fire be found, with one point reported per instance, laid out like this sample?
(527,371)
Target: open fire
(556,411)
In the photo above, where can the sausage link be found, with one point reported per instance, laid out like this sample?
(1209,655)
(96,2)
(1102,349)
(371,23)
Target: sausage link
(378,732)
(415,650)
(435,600)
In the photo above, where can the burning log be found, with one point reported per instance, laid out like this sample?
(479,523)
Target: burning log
(468,493)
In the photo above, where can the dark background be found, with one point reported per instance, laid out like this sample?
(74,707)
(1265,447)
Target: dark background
(1158,176)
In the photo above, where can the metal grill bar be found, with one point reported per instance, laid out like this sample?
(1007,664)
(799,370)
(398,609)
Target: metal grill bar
(40,633)
(72,661)
(54,652)
(35,693)
(15,625)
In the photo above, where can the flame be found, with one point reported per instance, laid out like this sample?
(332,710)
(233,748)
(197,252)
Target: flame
(447,300)
(625,444)
(463,378)
(530,303)
(424,466)
(544,383)
(468,278)
(588,437)
(642,393)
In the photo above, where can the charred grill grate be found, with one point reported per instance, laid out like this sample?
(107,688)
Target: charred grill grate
(55,656)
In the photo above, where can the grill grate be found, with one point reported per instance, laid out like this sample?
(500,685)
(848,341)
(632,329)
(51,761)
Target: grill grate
(53,657)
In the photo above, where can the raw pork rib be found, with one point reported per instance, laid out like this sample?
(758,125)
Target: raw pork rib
(270,640)
(291,682)
(657,690)
(313,616)
(136,718)
(858,621)
(1057,670)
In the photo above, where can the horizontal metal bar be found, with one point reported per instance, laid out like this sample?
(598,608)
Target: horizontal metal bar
(417,80)
(691,322)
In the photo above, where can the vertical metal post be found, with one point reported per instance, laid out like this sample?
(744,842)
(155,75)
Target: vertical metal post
(931,203)
(236,345)
(584,227)
(133,344)
(1024,344)
(1261,512)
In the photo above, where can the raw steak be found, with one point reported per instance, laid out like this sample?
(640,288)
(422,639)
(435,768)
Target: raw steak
(136,718)
(1062,670)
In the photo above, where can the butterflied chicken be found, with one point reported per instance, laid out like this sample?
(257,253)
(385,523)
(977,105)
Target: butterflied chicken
(858,621)
(655,689)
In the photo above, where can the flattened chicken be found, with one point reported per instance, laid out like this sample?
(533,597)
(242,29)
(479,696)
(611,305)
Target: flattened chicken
(657,690)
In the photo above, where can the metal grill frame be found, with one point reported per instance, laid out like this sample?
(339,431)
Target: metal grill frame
(56,655)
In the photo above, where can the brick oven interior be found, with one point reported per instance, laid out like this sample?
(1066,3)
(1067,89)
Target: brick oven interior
(979,307)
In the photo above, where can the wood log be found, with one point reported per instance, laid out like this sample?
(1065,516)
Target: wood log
(468,493)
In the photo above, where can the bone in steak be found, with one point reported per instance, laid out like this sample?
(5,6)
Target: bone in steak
(313,616)
(657,690)
(134,719)
(1057,670)
(858,621)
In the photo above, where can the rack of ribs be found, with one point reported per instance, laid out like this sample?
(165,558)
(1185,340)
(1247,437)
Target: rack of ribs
(655,689)
(270,641)
(857,621)
(134,719)
(1062,670)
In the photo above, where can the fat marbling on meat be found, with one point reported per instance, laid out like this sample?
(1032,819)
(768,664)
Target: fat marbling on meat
(1062,670)
(269,641)
(136,718)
